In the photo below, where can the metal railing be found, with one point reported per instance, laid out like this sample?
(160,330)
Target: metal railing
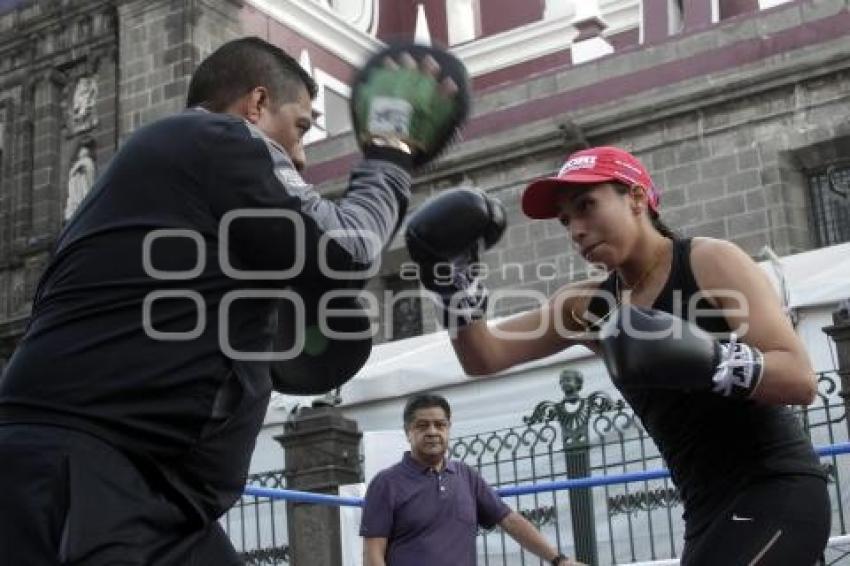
(257,525)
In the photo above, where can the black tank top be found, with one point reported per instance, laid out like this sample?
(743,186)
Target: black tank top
(712,445)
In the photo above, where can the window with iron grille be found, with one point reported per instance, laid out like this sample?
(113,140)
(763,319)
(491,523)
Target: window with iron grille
(829,191)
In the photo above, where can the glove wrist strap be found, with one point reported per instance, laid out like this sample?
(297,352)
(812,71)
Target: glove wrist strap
(462,305)
(740,370)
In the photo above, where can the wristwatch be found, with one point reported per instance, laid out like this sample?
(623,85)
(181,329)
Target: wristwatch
(557,560)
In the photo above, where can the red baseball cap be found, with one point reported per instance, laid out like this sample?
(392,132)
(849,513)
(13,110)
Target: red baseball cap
(588,166)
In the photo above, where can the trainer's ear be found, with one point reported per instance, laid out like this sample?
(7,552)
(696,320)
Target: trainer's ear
(250,105)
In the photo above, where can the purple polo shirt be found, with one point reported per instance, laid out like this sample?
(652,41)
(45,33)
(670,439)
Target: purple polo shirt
(429,519)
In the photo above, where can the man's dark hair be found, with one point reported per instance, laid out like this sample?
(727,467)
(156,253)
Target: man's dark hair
(424,401)
(238,66)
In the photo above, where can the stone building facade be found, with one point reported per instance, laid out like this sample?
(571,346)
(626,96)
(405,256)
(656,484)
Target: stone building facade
(75,79)
(741,109)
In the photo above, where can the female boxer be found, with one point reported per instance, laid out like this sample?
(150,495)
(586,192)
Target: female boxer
(711,387)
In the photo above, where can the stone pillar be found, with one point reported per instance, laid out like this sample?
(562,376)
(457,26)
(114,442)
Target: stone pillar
(47,130)
(654,21)
(577,454)
(698,14)
(589,44)
(22,166)
(496,16)
(840,334)
(573,413)
(322,452)
(397,19)
(732,8)
(161,43)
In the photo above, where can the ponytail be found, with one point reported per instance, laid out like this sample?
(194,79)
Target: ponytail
(659,225)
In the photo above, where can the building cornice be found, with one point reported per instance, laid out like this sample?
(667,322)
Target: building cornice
(537,39)
(319,24)
(620,15)
(677,87)
(517,45)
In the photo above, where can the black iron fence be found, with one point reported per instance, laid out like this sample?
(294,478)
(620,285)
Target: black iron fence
(621,523)
(257,525)
(581,434)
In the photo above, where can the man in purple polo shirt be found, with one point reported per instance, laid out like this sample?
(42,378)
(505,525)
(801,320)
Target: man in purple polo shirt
(425,510)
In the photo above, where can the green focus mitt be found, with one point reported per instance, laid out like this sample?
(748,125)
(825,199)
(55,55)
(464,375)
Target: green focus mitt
(410,97)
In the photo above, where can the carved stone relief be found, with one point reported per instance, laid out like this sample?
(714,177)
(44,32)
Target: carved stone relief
(82,116)
(17,291)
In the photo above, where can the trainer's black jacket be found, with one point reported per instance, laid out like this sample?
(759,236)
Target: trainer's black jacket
(179,406)
(713,445)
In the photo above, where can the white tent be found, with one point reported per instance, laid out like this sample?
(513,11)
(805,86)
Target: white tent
(815,278)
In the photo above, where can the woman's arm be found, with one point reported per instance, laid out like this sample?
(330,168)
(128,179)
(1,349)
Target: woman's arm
(484,349)
(751,307)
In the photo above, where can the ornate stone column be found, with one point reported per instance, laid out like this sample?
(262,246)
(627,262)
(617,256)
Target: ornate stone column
(573,413)
(322,450)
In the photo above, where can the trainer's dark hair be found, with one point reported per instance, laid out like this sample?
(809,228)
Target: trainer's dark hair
(424,401)
(239,66)
(657,223)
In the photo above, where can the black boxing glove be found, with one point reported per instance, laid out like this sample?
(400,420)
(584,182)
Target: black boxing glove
(445,237)
(646,348)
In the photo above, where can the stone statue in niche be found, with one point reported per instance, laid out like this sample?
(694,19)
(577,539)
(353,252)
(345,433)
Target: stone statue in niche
(82,116)
(17,292)
(5,298)
(80,180)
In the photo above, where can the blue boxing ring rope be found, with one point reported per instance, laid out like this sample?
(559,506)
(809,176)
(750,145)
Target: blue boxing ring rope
(591,481)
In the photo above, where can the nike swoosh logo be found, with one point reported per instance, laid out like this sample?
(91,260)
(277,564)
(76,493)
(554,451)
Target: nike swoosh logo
(738,518)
